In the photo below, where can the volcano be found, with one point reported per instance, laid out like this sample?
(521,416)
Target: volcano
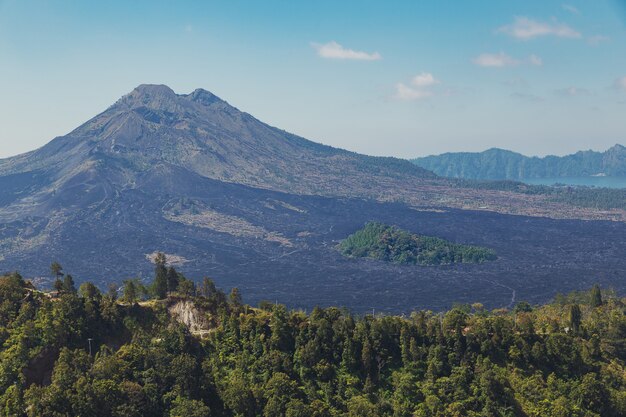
(228,196)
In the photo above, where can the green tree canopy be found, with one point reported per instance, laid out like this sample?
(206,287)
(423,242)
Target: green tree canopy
(392,244)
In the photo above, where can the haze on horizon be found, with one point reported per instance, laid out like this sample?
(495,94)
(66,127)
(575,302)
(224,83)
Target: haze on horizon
(405,79)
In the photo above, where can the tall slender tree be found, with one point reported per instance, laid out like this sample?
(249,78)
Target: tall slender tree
(172,279)
(159,286)
(58,285)
(208,287)
(235,298)
(575,318)
(56,269)
(130,291)
(596,296)
(68,284)
(112,292)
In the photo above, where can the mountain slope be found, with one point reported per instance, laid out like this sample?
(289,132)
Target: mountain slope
(206,135)
(499,164)
(200,133)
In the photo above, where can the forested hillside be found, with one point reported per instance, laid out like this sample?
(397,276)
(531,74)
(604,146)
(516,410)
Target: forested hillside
(500,164)
(187,351)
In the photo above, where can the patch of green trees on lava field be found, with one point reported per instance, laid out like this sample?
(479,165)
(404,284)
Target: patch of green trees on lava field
(392,244)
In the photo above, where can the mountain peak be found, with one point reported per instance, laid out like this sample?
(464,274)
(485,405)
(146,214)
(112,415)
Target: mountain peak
(153,90)
(204,97)
(154,96)
(162,97)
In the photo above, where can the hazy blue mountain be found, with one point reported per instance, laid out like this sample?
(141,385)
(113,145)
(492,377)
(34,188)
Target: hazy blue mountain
(500,164)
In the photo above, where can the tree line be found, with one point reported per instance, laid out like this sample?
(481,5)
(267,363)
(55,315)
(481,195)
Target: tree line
(566,358)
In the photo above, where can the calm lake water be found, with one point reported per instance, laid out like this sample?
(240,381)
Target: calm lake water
(608,182)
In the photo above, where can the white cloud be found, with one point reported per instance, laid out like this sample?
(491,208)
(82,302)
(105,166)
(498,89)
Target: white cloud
(572,91)
(570,8)
(597,39)
(425,79)
(495,60)
(527,97)
(535,60)
(333,50)
(502,60)
(620,83)
(524,28)
(419,88)
(517,82)
(406,93)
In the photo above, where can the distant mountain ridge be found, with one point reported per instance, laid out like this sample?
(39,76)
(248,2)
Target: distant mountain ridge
(500,164)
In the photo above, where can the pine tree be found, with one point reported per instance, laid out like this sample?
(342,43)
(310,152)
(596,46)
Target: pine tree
(235,298)
(208,288)
(130,291)
(186,288)
(404,346)
(575,318)
(58,285)
(68,285)
(366,358)
(172,279)
(112,293)
(89,291)
(596,296)
(159,286)
(56,269)
(280,338)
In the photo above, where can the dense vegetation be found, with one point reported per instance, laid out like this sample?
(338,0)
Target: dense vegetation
(579,196)
(599,198)
(85,353)
(499,164)
(392,244)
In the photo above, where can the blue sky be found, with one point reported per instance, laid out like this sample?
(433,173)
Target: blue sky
(401,78)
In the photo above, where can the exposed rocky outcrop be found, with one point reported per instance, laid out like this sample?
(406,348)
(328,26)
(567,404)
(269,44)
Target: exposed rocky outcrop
(186,312)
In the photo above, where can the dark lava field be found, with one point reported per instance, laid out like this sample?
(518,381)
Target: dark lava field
(537,257)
